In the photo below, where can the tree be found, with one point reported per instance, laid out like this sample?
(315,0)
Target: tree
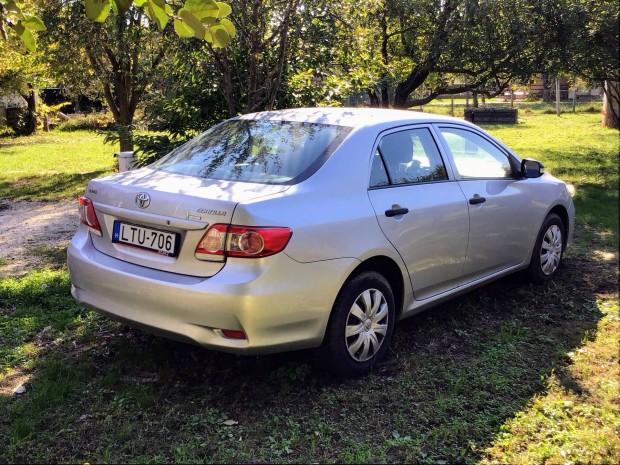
(202,84)
(583,39)
(484,44)
(413,49)
(252,71)
(20,72)
(125,51)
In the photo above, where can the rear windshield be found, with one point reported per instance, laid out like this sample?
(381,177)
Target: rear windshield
(263,151)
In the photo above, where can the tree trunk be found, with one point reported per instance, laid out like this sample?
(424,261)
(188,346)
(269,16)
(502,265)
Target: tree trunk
(385,97)
(374,98)
(611,105)
(475,98)
(404,88)
(125,138)
(546,91)
(30,115)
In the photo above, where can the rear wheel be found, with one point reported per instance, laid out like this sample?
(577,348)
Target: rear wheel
(548,250)
(360,326)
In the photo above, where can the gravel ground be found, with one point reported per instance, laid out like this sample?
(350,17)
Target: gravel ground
(24,226)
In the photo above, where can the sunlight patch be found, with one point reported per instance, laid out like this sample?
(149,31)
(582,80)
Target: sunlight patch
(606,255)
(10,382)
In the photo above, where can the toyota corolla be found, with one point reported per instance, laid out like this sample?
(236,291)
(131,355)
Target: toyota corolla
(314,228)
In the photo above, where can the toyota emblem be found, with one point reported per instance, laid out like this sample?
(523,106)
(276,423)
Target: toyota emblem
(143,200)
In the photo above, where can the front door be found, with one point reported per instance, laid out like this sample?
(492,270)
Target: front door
(500,225)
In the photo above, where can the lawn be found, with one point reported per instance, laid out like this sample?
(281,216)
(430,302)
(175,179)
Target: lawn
(52,166)
(511,373)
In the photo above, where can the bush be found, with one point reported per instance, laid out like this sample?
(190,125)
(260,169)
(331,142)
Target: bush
(6,131)
(591,109)
(89,122)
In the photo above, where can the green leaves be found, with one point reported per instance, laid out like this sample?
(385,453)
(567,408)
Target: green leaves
(225,9)
(202,19)
(22,24)
(221,38)
(158,12)
(26,36)
(205,20)
(33,23)
(121,6)
(97,10)
(203,8)
(182,30)
(191,22)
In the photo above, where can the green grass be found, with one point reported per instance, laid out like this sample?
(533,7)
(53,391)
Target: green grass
(579,150)
(52,166)
(511,373)
(443,107)
(574,147)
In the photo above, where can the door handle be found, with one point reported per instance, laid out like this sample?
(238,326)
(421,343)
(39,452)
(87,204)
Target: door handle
(396,211)
(476,199)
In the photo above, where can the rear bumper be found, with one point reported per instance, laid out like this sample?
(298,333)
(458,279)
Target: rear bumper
(279,303)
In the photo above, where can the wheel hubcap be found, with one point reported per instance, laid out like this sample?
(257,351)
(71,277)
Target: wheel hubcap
(367,325)
(551,250)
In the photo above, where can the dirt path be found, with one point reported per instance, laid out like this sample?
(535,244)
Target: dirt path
(25,226)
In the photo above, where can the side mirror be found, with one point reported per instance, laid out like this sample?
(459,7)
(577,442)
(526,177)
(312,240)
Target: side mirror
(532,168)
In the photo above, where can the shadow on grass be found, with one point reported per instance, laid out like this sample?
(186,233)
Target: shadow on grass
(53,186)
(455,374)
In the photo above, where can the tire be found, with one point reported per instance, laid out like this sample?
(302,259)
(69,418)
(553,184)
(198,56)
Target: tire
(548,250)
(365,310)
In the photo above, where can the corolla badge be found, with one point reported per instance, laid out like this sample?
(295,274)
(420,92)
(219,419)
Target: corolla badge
(143,200)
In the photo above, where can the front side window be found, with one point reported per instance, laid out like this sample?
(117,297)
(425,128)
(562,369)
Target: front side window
(264,151)
(474,156)
(409,157)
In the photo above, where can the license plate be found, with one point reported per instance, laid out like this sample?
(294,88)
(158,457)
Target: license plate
(161,242)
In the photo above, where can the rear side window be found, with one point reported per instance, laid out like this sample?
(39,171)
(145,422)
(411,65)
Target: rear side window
(263,151)
(407,157)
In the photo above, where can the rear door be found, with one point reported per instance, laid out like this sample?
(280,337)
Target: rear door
(501,224)
(420,209)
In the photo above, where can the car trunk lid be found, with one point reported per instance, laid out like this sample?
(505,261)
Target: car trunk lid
(156,219)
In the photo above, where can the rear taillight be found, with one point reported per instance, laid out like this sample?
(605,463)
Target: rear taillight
(242,241)
(88,215)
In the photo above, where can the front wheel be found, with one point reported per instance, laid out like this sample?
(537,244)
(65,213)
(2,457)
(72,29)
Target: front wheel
(360,326)
(548,250)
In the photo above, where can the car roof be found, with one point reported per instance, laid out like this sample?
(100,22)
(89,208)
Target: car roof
(351,117)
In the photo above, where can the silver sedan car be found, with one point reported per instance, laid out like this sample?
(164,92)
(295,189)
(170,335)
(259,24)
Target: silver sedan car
(314,228)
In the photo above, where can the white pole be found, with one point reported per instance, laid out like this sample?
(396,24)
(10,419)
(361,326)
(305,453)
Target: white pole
(557,95)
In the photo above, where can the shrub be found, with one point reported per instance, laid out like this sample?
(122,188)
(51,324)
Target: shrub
(89,122)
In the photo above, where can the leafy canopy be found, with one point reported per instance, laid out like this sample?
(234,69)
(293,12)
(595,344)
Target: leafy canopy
(203,19)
